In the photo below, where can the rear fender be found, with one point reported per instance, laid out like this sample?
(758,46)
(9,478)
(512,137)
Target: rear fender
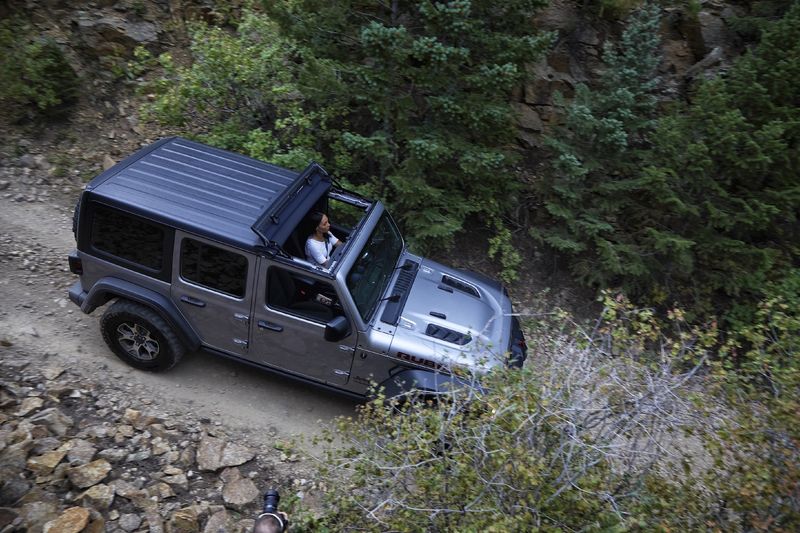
(108,288)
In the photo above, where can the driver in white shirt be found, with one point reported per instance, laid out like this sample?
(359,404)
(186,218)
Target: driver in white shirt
(320,244)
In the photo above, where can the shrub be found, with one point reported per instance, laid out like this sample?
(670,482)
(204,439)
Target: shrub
(239,93)
(35,77)
(621,425)
(574,441)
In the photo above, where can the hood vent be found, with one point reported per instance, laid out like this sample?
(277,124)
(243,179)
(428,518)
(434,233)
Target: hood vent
(460,285)
(447,335)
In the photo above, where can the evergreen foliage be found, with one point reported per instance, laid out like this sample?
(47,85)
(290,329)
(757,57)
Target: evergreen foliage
(35,77)
(699,204)
(730,165)
(422,90)
(593,195)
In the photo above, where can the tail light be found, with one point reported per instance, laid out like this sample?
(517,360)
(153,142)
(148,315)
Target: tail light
(75,264)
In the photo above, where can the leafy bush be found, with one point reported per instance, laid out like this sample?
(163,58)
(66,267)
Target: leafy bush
(566,443)
(617,426)
(35,77)
(240,93)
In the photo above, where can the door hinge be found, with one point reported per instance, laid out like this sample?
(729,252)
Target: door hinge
(241,343)
(345,348)
(241,316)
(341,372)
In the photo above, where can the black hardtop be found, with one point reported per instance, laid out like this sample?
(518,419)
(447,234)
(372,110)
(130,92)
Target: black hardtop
(215,193)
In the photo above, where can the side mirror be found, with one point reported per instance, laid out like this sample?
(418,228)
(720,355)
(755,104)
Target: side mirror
(337,329)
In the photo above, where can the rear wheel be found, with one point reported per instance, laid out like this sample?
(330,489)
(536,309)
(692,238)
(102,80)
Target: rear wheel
(140,337)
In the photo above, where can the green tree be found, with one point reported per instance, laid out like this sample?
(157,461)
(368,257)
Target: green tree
(422,92)
(239,93)
(731,164)
(700,204)
(593,192)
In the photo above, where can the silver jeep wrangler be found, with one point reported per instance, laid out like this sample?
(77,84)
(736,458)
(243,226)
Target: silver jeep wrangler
(204,249)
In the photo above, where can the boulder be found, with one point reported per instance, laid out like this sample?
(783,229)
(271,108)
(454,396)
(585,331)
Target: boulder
(73,520)
(239,493)
(214,453)
(28,405)
(129,522)
(113,35)
(81,452)
(99,496)
(44,464)
(184,521)
(35,515)
(85,476)
(220,522)
(54,420)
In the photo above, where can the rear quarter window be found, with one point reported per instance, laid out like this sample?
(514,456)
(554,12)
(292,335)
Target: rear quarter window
(128,237)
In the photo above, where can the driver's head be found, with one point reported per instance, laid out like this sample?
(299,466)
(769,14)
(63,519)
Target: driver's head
(319,221)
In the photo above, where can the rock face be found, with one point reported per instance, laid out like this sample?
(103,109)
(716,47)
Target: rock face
(144,477)
(692,44)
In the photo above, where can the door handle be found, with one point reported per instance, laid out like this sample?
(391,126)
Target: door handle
(193,301)
(263,324)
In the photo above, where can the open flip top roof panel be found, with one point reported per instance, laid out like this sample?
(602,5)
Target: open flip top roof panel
(225,196)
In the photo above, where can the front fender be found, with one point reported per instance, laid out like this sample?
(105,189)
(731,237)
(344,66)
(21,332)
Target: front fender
(108,288)
(420,380)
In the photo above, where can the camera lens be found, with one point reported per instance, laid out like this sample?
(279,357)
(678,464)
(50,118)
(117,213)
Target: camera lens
(271,499)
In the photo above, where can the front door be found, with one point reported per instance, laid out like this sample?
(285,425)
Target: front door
(291,310)
(211,285)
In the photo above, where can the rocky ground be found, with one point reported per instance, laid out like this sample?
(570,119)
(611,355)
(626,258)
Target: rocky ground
(76,456)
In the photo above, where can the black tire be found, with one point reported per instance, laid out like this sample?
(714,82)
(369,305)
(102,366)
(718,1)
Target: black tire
(140,337)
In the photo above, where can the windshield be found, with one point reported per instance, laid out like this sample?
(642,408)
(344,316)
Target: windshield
(373,269)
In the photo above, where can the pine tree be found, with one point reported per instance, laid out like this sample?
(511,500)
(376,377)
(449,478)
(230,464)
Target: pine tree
(732,162)
(593,190)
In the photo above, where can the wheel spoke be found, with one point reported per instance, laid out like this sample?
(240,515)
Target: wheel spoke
(149,349)
(126,332)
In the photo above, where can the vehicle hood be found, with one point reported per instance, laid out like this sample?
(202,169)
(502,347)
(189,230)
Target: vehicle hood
(453,316)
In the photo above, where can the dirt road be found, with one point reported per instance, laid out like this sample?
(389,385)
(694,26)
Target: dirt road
(35,314)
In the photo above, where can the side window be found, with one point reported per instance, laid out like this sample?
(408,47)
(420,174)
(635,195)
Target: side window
(301,295)
(128,237)
(213,268)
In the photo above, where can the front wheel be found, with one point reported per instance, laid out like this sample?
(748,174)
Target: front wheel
(140,337)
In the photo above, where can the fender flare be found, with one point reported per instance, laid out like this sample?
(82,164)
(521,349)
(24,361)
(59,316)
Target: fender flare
(413,379)
(107,288)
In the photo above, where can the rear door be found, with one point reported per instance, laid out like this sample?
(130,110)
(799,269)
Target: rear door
(211,285)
